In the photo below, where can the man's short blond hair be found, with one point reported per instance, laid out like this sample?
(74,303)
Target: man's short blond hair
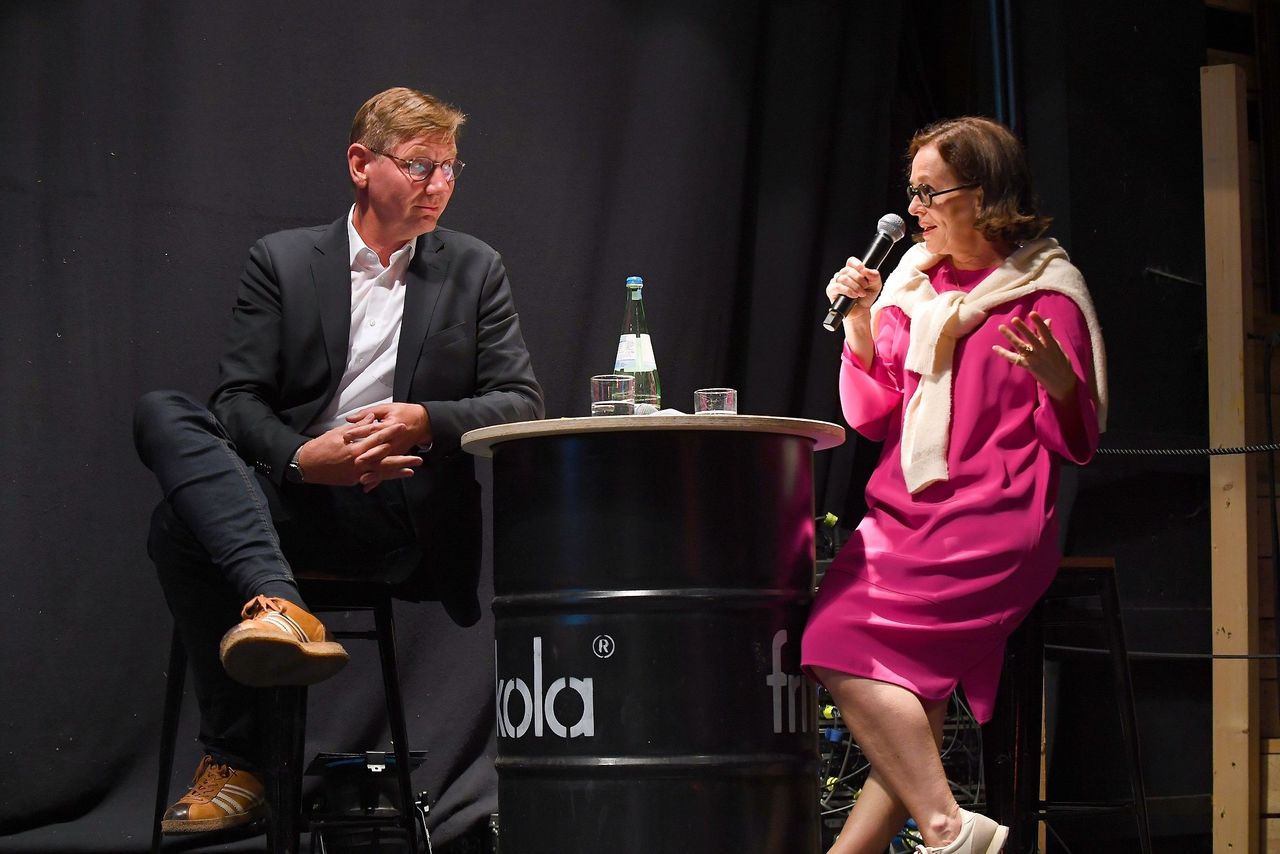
(400,114)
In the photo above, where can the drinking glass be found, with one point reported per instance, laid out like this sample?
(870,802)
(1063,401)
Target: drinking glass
(715,401)
(613,394)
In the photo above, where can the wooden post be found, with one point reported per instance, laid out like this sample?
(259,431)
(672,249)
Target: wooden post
(1229,290)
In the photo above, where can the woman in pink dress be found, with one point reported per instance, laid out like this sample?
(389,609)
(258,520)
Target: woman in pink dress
(980,367)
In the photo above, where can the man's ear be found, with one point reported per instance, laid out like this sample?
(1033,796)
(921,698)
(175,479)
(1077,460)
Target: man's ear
(358,159)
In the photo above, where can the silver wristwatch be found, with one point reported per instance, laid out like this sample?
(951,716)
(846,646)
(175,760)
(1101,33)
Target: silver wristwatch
(293,471)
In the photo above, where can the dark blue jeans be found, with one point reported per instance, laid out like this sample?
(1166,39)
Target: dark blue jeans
(223,534)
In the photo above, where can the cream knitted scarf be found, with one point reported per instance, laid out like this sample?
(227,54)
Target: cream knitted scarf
(939,320)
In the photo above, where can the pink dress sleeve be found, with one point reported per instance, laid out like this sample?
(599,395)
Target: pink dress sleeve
(1072,431)
(871,395)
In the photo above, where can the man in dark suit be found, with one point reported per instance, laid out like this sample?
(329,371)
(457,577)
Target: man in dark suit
(358,355)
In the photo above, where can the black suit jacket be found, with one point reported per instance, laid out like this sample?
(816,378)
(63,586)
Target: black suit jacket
(461,355)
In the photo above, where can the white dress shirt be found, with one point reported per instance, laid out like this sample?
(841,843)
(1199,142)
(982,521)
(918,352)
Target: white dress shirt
(377,308)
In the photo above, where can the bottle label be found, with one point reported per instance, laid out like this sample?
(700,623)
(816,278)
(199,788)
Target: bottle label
(635,353)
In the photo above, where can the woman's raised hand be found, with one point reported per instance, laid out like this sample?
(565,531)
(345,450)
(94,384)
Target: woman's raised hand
(1036,350)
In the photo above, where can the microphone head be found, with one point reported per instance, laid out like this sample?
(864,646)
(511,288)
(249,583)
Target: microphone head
(892,227)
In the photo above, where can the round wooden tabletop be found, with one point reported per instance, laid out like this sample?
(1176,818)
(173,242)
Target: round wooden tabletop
(480,442)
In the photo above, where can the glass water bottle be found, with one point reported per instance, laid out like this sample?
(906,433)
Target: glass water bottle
(635,351)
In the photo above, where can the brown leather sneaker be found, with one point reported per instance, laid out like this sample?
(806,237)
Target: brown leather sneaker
(278,643)
(220,797)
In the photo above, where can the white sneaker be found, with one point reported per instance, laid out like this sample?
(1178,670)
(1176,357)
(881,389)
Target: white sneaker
(978,835)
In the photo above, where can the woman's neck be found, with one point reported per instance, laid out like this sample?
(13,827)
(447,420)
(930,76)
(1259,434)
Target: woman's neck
(980,255)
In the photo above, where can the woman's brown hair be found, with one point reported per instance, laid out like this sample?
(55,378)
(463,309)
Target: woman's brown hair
(981,151)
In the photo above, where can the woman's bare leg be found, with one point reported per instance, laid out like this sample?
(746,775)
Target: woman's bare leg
(900,734)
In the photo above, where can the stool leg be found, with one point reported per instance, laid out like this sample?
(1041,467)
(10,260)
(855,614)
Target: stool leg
(1027,733)
(286,717)
(174,682)
(1123,682)
(997,739)
(1010,741)
(384,618)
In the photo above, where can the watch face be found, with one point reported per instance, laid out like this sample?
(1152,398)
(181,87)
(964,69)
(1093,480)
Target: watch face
(293,473)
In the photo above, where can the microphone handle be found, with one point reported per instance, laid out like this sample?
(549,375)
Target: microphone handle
(875,255)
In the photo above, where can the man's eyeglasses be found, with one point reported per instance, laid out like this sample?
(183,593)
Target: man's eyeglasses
(927,194)
(421,168)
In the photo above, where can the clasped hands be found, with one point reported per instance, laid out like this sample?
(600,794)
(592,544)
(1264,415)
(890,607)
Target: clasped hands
(372,447)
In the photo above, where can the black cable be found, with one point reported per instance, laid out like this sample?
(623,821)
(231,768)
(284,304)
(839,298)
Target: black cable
(1268,343)
(1010,71)
(1191,452)
(1219,656)
(998,68)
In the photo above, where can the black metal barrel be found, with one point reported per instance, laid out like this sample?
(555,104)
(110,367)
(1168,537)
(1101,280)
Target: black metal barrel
(651,589)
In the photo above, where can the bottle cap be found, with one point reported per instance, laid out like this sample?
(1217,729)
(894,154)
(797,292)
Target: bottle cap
(635,282)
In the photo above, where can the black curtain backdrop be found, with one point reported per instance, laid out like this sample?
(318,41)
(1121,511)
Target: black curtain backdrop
(731,152)
(711,147)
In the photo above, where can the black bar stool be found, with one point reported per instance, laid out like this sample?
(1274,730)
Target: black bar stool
(286,711)
(1012,740)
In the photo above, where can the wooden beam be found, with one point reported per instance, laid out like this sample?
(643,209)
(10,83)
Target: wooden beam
(1237,775)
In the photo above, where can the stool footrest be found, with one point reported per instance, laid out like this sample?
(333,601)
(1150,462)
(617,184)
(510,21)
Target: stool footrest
(391,820)
(1070,808)
(353,634)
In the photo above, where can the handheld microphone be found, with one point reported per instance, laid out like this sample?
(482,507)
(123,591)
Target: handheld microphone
(889,230)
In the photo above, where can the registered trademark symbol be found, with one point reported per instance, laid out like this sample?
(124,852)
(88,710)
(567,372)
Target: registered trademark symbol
(603,646)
